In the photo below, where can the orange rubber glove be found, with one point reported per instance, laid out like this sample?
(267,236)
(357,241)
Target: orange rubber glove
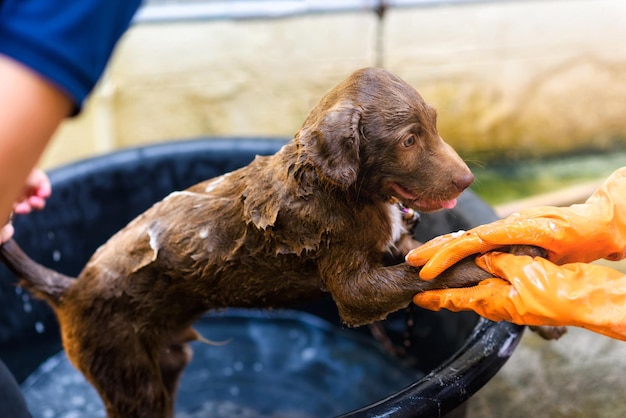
(579,233)
(534,291)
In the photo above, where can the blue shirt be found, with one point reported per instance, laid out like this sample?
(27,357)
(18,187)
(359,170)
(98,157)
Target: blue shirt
(68,42)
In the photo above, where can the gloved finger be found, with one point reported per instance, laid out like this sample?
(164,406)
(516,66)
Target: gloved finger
(453,252)
(543,291)
(504,265)
(488,299)
(522,231)
(420,255)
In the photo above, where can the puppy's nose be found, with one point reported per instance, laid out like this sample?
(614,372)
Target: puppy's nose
(463,182)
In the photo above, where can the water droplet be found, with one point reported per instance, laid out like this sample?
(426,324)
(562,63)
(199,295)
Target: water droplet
(77,400)
(56,255)
(39,327)
(27,307)
(308,354)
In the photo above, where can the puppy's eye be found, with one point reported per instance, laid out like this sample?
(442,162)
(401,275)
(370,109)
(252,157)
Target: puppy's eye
(409,141)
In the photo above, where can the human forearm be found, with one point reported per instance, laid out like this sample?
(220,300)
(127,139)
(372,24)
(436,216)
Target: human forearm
(32,109)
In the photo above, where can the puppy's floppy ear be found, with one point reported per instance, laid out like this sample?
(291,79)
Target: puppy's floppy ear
(331,142)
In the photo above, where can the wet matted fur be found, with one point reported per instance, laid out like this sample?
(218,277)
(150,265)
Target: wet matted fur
(313,219)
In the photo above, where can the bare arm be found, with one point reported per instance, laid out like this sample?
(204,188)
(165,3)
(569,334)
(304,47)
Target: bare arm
(32,109)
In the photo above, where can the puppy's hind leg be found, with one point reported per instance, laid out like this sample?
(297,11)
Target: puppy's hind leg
(124,370)
(174,356)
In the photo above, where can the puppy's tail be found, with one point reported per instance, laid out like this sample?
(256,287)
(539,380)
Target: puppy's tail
(42,281)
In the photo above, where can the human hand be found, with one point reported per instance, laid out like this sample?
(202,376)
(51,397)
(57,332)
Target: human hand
(585,232)
(534,291)
(36,190)
(6,232)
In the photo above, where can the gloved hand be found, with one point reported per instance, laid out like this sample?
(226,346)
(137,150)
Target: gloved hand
(579,233)
(534,291)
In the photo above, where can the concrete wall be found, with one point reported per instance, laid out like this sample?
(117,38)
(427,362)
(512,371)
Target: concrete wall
(509,78)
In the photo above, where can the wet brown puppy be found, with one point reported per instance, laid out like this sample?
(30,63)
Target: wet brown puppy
(314,218)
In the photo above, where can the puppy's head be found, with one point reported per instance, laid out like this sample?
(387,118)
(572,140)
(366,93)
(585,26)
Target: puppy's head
(374,132)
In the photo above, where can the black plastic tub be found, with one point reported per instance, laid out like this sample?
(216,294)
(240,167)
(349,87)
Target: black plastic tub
(286,363)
